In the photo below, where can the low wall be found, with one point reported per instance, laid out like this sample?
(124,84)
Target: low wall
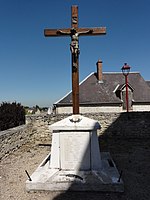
(13,138)
(129,125)
(35,131)
(124,125)
(113,125)
(40,125)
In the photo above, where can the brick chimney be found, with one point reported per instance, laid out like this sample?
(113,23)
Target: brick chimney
(99,71)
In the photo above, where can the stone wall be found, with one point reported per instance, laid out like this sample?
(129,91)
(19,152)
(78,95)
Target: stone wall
(118,125)
(13,138)
(40,124)
(124,125)
(129,125)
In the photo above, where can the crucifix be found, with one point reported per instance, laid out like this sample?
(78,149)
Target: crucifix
(74,32)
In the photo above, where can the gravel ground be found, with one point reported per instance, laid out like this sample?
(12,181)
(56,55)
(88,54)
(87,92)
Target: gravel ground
(132,156)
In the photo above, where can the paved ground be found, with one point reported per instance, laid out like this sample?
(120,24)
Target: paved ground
(131,156)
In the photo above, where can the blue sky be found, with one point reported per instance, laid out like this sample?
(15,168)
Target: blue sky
(37,71)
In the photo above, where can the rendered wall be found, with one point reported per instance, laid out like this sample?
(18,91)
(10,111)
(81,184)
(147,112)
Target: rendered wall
(141,108)
(105,109)
(95,109)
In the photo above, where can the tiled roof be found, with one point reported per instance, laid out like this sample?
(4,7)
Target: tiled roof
(93,92)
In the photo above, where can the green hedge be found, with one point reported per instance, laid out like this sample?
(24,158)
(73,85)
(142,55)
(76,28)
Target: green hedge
(11,115)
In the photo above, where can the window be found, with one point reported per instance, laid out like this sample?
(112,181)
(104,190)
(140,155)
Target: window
(121,94)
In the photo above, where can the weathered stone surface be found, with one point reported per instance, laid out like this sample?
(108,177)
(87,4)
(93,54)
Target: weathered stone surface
(75,161)
(13,138)
(127,125)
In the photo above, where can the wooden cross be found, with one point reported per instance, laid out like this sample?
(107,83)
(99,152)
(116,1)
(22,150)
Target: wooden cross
(74,32)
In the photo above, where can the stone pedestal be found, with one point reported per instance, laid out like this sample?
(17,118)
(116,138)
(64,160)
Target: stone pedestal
(75,162)
(75,144)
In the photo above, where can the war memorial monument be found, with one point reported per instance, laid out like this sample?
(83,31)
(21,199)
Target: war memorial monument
(75,161)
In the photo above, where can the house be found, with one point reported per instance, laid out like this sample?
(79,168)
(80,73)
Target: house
(106,92)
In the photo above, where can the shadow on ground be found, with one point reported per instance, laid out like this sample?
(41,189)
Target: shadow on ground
(128,141)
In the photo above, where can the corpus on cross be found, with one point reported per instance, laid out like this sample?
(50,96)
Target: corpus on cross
(74,46)
(74,32)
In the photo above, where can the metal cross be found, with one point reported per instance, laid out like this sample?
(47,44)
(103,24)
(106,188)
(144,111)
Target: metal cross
(74,32)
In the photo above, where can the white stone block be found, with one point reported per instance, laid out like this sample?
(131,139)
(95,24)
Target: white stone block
(55,153)
(75,151)
(75,161)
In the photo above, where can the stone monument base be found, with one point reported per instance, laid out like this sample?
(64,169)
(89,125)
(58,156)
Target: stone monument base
(47,179)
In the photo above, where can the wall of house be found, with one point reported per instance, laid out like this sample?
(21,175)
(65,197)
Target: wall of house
(141,107)
(95,109)
(36,131)
(104,109)
(64,110)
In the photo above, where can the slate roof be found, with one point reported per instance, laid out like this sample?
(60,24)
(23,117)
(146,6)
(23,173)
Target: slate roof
(93,92)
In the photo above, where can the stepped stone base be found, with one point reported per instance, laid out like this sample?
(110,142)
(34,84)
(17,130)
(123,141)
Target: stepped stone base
(108,179)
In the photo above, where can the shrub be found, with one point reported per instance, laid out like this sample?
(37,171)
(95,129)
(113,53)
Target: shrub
(11,115)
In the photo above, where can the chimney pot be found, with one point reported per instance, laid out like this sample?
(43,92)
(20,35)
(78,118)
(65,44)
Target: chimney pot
(99,71)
